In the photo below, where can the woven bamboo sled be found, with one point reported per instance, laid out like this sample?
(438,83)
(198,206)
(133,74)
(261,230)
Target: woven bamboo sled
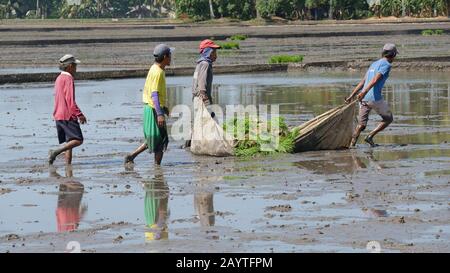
(330,131)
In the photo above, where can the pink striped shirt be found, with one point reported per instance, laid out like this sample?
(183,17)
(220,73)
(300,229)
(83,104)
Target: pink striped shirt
(65,106)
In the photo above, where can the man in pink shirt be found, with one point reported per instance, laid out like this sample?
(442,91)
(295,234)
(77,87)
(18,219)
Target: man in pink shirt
(66,112)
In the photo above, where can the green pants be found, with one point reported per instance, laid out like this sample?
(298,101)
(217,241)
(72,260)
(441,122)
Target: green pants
(156,137)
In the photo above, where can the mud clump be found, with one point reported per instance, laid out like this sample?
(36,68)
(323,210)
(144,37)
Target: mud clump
(352,196)
(4,191)
(283,196)
(21,181)
(11,237)
(118,239)
(279,208)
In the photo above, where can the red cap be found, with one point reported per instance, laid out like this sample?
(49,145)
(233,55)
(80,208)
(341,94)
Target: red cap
(208,43)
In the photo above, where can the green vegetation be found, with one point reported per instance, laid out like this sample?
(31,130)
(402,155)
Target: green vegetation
(279,59)
(229,177)
(211,9)
(238,37)
(237,9)
(250,147)
(229,45)
(429,32)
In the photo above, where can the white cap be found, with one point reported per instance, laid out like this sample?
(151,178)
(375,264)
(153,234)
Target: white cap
(68,59)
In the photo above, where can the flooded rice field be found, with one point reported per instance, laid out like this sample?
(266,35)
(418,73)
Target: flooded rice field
(130,46)
(329,201)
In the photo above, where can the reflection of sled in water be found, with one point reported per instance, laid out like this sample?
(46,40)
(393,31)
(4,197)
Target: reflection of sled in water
(343,162)
(330,131)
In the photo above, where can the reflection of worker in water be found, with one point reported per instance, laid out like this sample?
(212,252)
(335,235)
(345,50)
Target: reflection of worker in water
(69,210)
(156,207)
(203,200)
(357,161)
(204,208)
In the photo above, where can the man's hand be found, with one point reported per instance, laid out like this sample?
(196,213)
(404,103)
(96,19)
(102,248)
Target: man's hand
(82,119)
(161,121)
(204,97)
(348,99)
(166,111)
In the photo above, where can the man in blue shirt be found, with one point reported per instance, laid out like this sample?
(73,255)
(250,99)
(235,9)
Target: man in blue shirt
(371,97)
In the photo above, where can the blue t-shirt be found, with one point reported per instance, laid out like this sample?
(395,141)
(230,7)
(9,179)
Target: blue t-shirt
(383,67)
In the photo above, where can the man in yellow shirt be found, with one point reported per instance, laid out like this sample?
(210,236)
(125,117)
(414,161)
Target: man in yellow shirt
(154,98)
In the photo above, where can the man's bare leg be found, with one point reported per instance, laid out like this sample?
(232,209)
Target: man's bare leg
(69,146)
(68,156)
(130,157)
(356,134)
(158,158)
(380,127)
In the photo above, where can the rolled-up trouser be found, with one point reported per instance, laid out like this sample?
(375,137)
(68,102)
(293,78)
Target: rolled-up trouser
(381,108)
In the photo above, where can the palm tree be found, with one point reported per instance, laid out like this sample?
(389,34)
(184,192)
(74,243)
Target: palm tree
(6,10)
(103,7)
(139,11)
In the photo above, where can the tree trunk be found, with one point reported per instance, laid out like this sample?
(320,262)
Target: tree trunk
(403,8)
(38,9)
(258,15)
(330,10)
(448,8)
(211,10)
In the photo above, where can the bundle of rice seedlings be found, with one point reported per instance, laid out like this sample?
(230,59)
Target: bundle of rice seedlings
(229,45)
(429,32)
(279,59)
(238,37)
(261,144)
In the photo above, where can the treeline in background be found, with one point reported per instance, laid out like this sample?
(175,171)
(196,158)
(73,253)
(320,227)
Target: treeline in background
(214,9)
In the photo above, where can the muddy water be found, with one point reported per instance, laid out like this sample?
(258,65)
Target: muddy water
(329,201)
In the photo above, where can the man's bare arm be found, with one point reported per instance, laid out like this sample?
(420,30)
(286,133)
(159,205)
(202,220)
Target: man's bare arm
(356,90)
(369,86)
